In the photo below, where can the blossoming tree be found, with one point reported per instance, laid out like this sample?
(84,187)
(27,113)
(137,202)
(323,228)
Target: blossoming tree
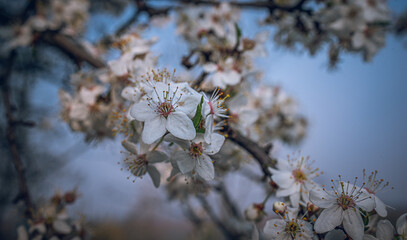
(187,128)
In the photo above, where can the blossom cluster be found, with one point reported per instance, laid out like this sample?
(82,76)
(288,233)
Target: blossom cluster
(64,16)
(52,221)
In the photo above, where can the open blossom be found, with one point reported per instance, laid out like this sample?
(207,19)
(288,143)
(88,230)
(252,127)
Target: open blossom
(374,186)
(223,73)
(195,156)
(289,227)
(341,206)
(212,108)
(294,179)
(166,108)
(139,161)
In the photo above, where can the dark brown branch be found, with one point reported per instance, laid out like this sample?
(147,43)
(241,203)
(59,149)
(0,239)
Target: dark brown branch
(12,138)
(72,48)
(253,148)
(199,81)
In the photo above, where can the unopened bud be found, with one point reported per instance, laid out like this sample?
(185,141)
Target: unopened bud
(254,212)
(312,208)
(70,196)
(279,207)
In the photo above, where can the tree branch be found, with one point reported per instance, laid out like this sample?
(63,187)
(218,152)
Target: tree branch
(11,136)
(253,148)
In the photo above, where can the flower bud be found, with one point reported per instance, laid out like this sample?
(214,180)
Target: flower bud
(279,208)
(254,212)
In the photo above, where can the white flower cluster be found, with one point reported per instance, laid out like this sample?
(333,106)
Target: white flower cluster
(173,112)
(344,210)
(216,41)
(51,221)
(65,16)
(89,108)
(353,26)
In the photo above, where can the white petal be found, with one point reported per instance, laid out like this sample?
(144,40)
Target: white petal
(156,156)
(61,227)
(283,179)
(204,167)
(215,145)
(329,219)
(184,161)
(248,116)
(321,199)
(188,105)
(210,67)
(366,201)
(295,199)
(153,129)
(401,225)
(335,234)
(385,230)
(284,192)
(358,40)
(353,224)
(131,147)
(368,237)
(142,111)
(155,175)
(231,77)
(380,207)
(273,226)
(185,144)
(179,125)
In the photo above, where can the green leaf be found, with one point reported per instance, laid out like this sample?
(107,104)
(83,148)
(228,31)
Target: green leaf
(198,115)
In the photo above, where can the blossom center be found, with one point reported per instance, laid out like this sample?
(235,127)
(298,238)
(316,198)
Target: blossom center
(165,109)
(346,201)
(292,228)
(299,175)
(195,149)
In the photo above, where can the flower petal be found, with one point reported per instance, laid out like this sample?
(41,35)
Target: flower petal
(329,219)
(385,230)
(181,126)
(142,111)
(380,207)
(335,234)
(188,105)
(321,199)
(153,129)
(155,175)
(273,226)
(156,156)
(204,167)
(353,223)
(217,141)
(283,179)
(184,161)
(401,225)
(131,147)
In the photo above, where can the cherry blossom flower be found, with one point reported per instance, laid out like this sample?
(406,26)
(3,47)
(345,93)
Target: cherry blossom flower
(289,227)
(195,156)
(341,206)
(222,74)
(167,108)
(294,179)
(374,186)
(139,161)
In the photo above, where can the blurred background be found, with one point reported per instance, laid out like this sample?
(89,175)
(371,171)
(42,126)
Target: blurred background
(357,117)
